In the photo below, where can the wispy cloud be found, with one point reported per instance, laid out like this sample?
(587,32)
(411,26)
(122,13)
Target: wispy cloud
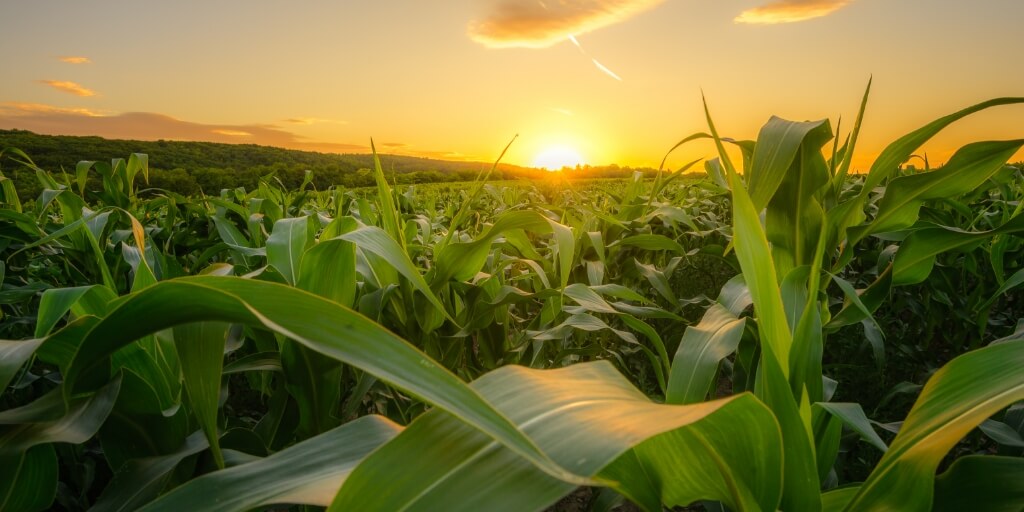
(564,111)
(540,24)
(312,120)
(75,60)
(19,109)
(231,133)
(790,11)
(69,87)
(53,120)
(48,119)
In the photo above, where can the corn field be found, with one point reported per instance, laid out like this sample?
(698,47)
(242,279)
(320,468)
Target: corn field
(691,340)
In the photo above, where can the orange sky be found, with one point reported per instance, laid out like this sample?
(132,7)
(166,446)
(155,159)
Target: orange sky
(613,81)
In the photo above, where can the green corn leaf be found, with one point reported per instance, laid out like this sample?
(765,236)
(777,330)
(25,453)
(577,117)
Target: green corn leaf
(702,349)
(900,150)
(966,170)
(955,400)
(329,268)
(14,354)
(138,426)
(653,243)
(141,480)
(317,323)
(286,246)
(987,483)
(56,302)
(689,452)
(778,145)
(35,425)
(752,251)
(28,480)
(461,261)
(854,418)
(308,473)
(200,349)
(916,255)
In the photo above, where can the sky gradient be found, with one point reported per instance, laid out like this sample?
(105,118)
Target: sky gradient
(614,81)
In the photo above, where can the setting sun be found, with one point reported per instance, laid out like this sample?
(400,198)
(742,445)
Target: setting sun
(557,157)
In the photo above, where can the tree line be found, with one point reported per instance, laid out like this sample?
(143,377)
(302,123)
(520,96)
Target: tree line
(192,167)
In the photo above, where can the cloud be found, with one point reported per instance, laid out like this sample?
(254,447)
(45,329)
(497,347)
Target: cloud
(790,11)
(312,120)
(16,109)
(151,126)
(69,87)
(75,60)
(540,24)
(232,133)
(48,119)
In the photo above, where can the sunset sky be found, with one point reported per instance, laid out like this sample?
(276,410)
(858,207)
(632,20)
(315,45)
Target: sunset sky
(612,81)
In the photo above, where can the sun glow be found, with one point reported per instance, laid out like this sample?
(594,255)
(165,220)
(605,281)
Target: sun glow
(556,157)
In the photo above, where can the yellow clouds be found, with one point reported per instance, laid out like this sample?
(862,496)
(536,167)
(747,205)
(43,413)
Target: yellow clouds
(543,23)
(49,119)
(69,87)
(231,133)
(790,11)
(306,121)
(18,109)
(75,60)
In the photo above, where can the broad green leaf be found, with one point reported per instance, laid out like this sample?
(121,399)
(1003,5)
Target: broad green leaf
(28,480)
(376,241)
(589,299)
(989,483)
(317,323)
(461,261)
(955,400)
(308,473)
(200,348)
(653,243)
(778,146)
(141,480)
(286,246)
(659,281)
(1001,433)
(14,354)
(916,256)
(1011,282)
(899,151)
(329,270)
(590,419)
(138,426)
(966,170)
(702,349)
(795,214)
(56,302)
(583,322)
(754,255)
(314,381)
(260,361)
(78,424)
(853,416)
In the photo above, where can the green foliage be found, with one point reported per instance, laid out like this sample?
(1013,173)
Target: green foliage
(283,340)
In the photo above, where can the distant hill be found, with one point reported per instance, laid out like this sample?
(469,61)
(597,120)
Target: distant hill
(187,167)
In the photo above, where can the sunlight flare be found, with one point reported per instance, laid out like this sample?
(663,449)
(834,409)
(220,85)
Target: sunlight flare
(556,157)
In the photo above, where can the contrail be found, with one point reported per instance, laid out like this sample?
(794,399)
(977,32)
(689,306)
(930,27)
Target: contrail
(604,69)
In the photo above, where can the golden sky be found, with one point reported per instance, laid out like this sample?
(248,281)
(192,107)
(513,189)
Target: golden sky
(604,81)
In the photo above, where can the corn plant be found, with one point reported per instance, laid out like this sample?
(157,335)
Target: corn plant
(482,348)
